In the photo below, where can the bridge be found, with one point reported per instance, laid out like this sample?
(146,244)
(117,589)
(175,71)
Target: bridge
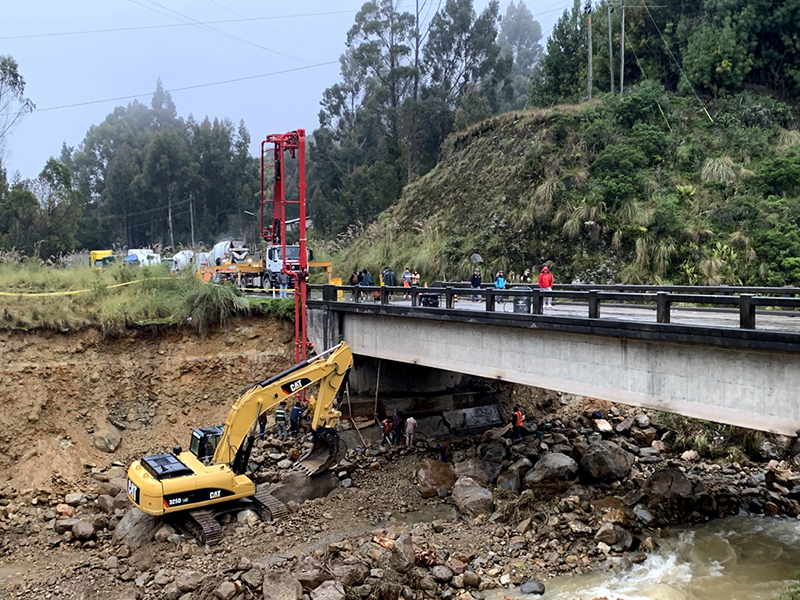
(725,354)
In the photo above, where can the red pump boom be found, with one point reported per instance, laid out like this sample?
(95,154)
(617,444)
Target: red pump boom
(291,145)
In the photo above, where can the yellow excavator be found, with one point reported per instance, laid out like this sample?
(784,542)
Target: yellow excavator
(210,478)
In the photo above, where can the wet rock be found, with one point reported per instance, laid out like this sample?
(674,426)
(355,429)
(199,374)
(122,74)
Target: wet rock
(441,574)
(471,498)
(311,573)
(135,528)
(607,534)
(189,581)
(225,591)
(482,471)
(107,438)
(298,487)
(279,585)
(403,556)
(771,509)
(605,461)
(667,484)
(552,467)
(510,480)
(644,515)
(329,590)
(83,530)
(436,474)
(533,587)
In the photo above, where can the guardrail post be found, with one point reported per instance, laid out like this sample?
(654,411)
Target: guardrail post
(663,305)
(329,293)
(449,297)
(594,305)
(414,296)
(384,295)
(747,312)
(489,300)
(537,302)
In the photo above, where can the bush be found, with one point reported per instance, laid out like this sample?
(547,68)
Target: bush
(208,305)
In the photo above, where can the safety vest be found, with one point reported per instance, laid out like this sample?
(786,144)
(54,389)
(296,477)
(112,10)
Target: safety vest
(280,415)
(518,419)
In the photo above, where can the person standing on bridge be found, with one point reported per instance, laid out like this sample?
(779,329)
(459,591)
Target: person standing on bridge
(475,282)
(546,285)
(283,283)
(406,278)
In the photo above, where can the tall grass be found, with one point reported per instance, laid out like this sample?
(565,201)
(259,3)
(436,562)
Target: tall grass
(152,296)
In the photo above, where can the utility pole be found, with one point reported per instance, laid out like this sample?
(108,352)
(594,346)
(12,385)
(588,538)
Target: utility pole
(589,12)
(191,215)
(622,51)
(610,48)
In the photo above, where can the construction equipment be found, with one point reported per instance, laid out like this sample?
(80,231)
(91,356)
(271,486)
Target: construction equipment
(101,258)
(273,230)
(210,478)
(232,261)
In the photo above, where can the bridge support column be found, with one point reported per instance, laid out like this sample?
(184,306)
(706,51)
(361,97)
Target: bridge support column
(537,302)
(489,300)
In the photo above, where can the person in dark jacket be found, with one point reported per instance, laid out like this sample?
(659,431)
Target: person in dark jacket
(475,282)
(397,428)
(294,419)
(389,278)
(366,278)
(262,424)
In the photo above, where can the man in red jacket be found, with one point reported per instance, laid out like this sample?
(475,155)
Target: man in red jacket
(546,284)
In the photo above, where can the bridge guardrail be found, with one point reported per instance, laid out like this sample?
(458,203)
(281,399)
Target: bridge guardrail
(662,300)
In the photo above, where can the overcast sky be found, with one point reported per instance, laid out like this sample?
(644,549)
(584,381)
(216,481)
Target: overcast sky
(61,70)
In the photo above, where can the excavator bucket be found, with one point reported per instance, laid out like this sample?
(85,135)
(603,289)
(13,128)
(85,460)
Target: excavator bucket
(324,452)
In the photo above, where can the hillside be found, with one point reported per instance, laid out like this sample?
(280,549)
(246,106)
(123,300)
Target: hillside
(647,188)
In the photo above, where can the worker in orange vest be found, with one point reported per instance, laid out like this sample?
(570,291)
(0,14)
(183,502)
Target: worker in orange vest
(517,423)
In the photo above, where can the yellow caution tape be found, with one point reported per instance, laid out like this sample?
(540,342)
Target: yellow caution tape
(74,292)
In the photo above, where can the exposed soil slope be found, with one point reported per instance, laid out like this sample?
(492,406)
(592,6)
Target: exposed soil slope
(154,384)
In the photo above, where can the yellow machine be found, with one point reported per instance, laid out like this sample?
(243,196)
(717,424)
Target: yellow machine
(211,474)
(101,258)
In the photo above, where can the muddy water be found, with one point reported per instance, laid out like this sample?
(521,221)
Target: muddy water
(729,559)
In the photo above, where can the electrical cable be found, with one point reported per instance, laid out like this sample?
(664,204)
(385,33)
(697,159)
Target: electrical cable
(184,88)
(172,25)
(197,23)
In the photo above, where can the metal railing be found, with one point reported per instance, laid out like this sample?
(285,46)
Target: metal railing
(530,299)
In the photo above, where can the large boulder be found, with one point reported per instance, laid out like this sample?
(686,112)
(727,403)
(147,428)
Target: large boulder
(492,452)
(311,573)
(510,480)
(107,438)
(330,590)
(471,498)
(667,484)
(351,574)
(605,461)
(436,474)
(135,528)
(482,471)
(551,468)
(279,585)
(403,556)
(299,487)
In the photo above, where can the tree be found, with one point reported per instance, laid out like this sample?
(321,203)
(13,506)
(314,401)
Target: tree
(60,206)
(13,103)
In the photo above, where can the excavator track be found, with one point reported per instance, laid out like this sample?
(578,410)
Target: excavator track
(275,508)
(203,526)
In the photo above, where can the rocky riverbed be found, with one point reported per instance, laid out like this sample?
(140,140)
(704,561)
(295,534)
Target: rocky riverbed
(585,490)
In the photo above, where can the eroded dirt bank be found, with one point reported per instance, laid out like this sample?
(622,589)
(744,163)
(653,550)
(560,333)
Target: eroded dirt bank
(63,394)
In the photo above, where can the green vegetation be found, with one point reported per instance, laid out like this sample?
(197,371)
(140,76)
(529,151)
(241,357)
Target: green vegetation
(639,189)
(150,296)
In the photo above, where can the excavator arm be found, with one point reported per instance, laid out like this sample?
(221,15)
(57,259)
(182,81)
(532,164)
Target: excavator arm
(329,369)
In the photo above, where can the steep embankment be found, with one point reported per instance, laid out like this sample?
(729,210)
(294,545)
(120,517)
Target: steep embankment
(644,188)
(62,392)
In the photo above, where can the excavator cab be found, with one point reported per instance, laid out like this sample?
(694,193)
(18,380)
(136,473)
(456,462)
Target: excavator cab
(204,442)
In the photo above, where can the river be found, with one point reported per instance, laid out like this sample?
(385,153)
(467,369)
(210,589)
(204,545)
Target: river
(740,558)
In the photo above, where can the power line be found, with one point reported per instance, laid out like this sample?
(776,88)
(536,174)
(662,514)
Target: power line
(173,25)
(197,23)
(187,87)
